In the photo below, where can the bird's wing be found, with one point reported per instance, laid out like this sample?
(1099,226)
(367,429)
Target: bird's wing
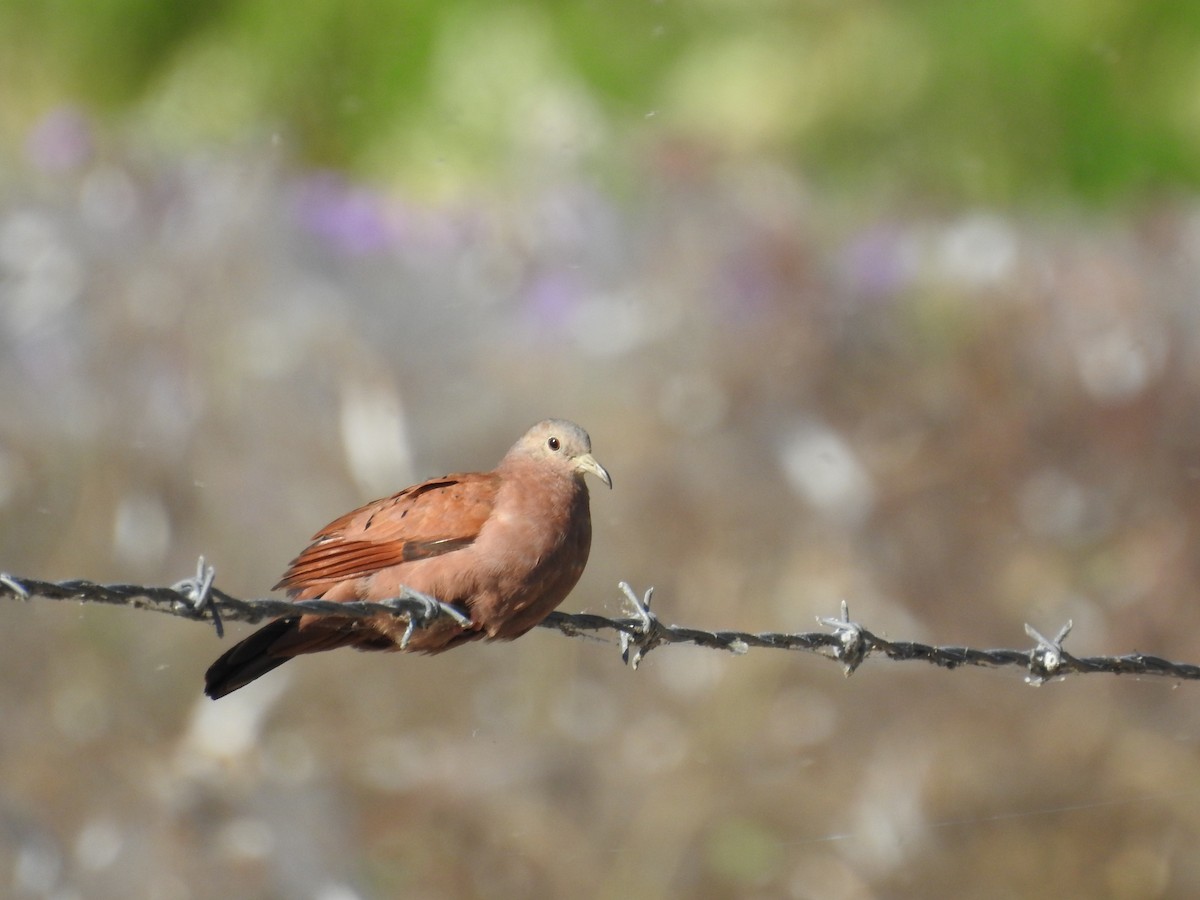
(426,520)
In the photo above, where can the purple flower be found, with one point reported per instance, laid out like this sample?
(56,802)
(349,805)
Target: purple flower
(876,262)
(353,219)
(60,141)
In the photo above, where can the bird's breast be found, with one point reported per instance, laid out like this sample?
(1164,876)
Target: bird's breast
(534,552)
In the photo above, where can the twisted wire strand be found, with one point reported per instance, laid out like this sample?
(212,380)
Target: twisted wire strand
(848,642)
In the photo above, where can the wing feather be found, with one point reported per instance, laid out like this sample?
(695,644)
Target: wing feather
(430,519)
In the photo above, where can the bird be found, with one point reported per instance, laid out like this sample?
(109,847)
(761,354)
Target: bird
(504,548)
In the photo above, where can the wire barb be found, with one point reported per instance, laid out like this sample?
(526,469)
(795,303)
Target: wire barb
(648,634)
(1048,656)
(14,586)
(850,643)
(198,591)
(852,648)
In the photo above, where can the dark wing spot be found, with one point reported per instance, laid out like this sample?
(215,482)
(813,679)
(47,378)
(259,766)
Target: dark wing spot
(427,549)
(431,486)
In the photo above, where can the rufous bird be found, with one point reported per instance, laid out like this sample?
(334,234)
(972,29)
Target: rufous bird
(503,547)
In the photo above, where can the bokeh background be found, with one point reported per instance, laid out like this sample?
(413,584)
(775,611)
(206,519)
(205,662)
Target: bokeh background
(890,303)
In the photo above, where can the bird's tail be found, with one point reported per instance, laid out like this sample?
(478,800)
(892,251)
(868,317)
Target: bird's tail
(249,659)
(277,642)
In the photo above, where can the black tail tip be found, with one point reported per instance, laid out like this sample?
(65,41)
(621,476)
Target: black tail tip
(247,660)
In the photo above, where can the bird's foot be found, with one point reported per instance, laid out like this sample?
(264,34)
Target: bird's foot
(648,631)
(423,610)
(197,592)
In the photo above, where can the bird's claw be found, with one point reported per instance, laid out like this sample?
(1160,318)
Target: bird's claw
(198,592)
(648,632)
(1047,657)
(429,609)
(852,646)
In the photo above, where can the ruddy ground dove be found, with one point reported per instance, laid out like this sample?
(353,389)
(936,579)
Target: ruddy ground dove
(504,547)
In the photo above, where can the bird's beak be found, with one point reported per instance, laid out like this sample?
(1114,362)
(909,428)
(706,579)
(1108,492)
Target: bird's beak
(587,463)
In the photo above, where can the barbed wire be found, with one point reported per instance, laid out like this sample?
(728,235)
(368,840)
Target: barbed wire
(847,641)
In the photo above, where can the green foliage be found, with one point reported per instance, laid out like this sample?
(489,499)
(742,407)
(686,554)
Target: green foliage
(987,101)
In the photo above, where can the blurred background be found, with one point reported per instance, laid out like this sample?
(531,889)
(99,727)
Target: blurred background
(890,303)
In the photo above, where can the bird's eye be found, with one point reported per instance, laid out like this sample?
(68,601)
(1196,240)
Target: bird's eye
(552,443)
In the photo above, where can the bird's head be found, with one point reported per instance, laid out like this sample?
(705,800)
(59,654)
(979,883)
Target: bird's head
(564,446)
